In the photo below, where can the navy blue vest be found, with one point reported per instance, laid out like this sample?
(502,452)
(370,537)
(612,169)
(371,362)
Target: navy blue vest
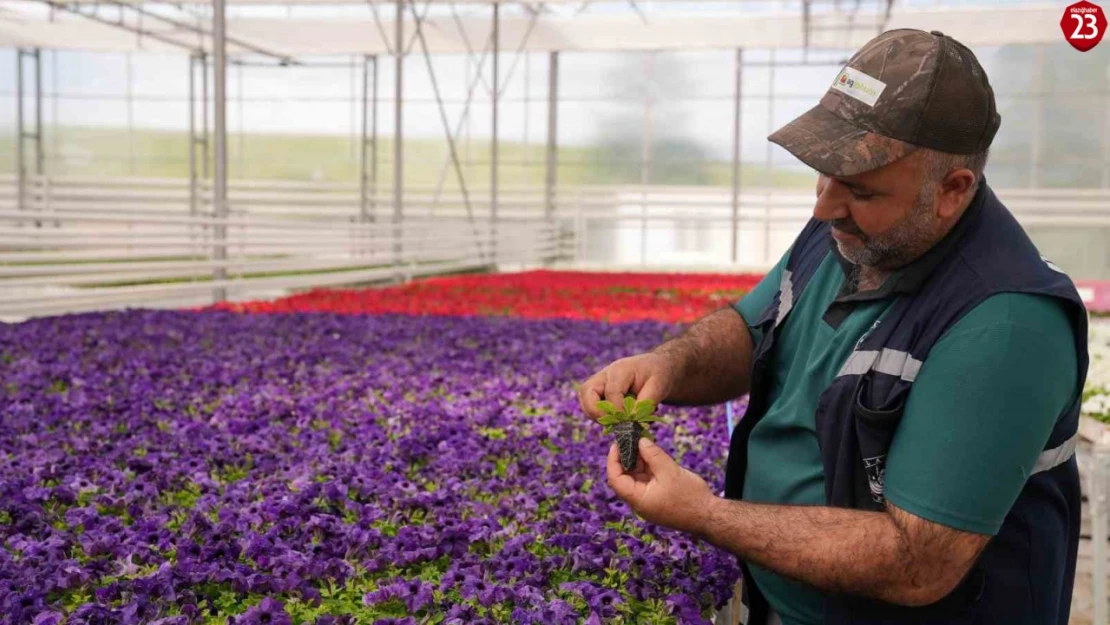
(1025,574)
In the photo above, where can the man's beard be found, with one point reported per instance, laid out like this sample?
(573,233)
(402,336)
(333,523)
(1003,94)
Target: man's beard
(897,246)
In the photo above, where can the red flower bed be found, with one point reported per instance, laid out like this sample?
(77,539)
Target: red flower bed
(534,294)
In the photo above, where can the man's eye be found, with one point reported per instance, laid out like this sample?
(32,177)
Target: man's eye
(862,195)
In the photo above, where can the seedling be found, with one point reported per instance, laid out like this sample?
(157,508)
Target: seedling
(627,422)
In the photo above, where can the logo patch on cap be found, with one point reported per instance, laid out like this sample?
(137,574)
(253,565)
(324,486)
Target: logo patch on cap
(858,85)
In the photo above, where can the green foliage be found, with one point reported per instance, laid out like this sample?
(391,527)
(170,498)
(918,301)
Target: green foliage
(1096,403)
(642,412)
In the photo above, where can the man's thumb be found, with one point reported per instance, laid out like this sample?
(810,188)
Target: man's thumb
(654,456)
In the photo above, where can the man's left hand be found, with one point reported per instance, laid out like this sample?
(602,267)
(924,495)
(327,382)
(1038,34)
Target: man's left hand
(659,490)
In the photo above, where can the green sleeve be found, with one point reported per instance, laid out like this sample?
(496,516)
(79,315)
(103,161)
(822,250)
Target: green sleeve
(751,305)
(980,412)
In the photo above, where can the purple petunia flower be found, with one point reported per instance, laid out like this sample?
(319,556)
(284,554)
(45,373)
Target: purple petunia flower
(269,612)
(148,455)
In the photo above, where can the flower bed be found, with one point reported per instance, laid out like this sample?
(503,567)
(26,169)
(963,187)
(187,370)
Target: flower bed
(174,468)
(534,294)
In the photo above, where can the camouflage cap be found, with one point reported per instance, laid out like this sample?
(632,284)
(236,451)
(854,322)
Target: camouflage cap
(904,89)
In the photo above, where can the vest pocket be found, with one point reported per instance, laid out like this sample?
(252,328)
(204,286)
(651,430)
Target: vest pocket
(875,426)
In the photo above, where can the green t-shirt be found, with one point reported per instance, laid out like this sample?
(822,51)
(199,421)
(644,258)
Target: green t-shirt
(978,415)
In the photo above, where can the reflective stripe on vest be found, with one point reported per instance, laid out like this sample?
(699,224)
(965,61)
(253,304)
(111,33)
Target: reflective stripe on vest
(906,367)
(888,361)
(786,296)
(1052,458)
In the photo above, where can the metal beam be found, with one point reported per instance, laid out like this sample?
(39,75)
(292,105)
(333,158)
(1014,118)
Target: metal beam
(219,249)
(40,154)
(610,32)
(464,119)
(363,182)
(647,138)
(398,130)
(520,50)
(20,164)
(769,162)
(736,134)
(552,134)
(75,10)
(378,23)
(493,162)
(452,147)
(470,55)
(418,20)
(374,142)
(130,99)
(192,137)
(1036,127)
(206,156)
(283,58)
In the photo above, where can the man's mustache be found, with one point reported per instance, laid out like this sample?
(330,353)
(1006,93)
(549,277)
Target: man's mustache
(848,226)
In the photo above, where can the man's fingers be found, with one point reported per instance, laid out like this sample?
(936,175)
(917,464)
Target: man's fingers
(590,393)
(622,483)
(653,390)
(655,459)
(617,384)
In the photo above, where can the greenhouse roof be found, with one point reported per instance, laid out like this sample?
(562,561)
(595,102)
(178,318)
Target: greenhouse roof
(74,26)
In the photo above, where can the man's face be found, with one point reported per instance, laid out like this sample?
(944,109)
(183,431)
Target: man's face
(883,218)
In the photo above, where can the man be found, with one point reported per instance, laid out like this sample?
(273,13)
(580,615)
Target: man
(914,369)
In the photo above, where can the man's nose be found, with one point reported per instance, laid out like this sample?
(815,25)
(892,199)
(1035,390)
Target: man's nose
(832,200)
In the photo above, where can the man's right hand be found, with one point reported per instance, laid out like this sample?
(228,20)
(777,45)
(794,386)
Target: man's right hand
(647,376)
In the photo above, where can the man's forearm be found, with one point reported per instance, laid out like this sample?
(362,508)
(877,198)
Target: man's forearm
(873,554)
(712,359)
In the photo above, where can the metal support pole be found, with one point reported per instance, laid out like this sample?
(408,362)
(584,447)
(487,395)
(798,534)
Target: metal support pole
(192,137)
(207,155)
(20,161)
(130,97)
(219,249)
(1097,500)
(363,203)
(645,152)
(767,258)
(451,147)
(374,144)
(736,128)
(240,146)
(527,104)
(55,138)
(552,134)
(40,154)
(398,131)
(1038,117)
(493,164)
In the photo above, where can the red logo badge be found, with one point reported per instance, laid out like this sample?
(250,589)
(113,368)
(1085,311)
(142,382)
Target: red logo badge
(1084,24)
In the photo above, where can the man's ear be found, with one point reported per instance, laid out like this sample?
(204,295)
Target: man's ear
(953,191)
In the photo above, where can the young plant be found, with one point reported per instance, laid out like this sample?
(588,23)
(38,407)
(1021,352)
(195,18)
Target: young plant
(627,423)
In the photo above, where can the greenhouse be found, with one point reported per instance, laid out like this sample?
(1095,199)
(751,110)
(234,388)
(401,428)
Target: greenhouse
(302,303)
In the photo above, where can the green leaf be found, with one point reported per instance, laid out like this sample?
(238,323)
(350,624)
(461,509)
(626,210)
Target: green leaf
(629,405)
(648,419)
(645,408)
(607,407)
(609,419)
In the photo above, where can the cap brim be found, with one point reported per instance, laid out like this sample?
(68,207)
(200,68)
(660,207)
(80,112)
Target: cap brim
(835,147)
